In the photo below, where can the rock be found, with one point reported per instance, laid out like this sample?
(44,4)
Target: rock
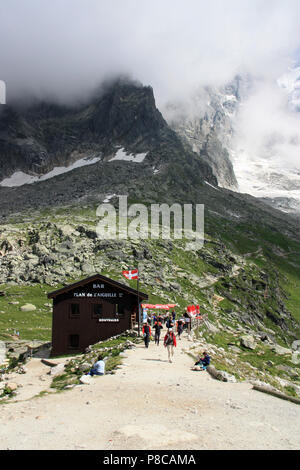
(28,308)
(259,383)
(295,358)
(49,363)
(11,386)
(175,286)
(57,370)
(87,268)
(85,379)
(217,374)
(281,351)
(84,367)
(296,345)
(19,353)
(122,354)
(211,328)
(248,342)
(227,377)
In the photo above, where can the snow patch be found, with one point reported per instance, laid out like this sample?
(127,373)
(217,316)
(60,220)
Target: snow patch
(19,178)
(122,155)
(109,197)
(211,185)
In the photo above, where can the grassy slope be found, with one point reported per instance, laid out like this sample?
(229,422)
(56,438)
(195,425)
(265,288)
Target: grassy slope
(260,247)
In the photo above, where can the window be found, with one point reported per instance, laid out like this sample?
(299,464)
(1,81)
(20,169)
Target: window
(97,310)
(74,310)
(74,341)
(120,310)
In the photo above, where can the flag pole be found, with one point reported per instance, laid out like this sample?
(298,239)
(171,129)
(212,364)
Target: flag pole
(138,296)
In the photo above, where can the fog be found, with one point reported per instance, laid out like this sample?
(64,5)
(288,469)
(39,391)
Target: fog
(267,128)
(62,49)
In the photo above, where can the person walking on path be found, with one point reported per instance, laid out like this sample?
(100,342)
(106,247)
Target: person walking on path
(157,327)
(169,322)
(179,328)
(146,333)
(170,343)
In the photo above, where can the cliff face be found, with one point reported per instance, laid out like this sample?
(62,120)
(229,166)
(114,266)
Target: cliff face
(207,126)
(123,115)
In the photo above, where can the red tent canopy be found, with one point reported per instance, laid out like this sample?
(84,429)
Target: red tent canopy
(159,306)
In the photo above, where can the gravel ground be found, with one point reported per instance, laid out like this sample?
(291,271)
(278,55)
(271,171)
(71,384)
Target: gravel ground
(149,404)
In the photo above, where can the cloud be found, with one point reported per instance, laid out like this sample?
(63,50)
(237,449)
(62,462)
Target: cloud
(64,48)
(266,127)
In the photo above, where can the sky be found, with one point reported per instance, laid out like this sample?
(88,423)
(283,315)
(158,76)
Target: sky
(62,49)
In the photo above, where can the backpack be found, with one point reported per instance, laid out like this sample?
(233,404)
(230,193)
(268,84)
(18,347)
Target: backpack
(207,360)
(169,340)
(146,331)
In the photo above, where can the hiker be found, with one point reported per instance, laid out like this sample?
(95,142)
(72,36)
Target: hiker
(202,362)
(146,333)
(169,322)
(179,328)
(185,323)
(98,368)
(173,316)
(157,327)
(170,343)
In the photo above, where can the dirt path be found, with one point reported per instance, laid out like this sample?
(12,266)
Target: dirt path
(151,404)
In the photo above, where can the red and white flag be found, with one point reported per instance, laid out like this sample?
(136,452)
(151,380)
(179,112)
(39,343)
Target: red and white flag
(134,274)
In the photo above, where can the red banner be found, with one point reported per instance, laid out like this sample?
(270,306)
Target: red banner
(193,309)
(159,306)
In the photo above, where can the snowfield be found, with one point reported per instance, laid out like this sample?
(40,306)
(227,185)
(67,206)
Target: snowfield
(19,178)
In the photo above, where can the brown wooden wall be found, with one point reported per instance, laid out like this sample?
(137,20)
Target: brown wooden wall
(87,325)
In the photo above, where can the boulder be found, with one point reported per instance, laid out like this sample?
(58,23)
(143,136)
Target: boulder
(296,345)
(281,351)
(87,268)
(57,370)
(11,386)
(85,379)
(84,367)
(295,358)
(211,328)
(19,353)
(28,308)
(248,342)
(220,375)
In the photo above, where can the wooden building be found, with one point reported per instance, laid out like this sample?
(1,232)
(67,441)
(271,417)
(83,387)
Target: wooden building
(91,310)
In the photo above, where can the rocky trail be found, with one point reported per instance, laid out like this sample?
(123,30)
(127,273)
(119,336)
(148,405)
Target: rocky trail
(147,404)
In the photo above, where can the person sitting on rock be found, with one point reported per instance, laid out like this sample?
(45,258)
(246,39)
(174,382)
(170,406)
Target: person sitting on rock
(202,363)
(98,368)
